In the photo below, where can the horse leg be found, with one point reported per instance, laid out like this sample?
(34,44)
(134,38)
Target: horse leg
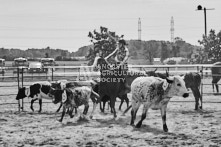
(102,109)
(217,88)
(104,103)
(76,110)
(112,104)
(126,99)
(215,80)
(213,86)
(59,107)
(121,103)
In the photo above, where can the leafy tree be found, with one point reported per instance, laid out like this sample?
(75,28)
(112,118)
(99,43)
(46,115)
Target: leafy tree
(150,50)
(46,55)
(212,46)
(63,53)
(164,51)
(102,40)
(175,50)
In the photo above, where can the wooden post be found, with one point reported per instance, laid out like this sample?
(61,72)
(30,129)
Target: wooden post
(202,85)
(52,74)
(18,87)
(22,84)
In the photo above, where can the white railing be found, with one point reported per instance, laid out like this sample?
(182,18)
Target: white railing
(87,70)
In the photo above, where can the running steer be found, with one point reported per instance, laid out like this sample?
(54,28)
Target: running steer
(73,98)
(36,91)
(155,92)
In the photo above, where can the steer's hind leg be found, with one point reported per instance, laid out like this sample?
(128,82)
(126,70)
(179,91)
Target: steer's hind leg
(32,102)
(71,112)
(135,107)
(86,106)
(144,114)
(163,115)
(94,107)
(196,94)
(40,105)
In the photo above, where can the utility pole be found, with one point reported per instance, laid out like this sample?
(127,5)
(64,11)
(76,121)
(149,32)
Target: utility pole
(199,7)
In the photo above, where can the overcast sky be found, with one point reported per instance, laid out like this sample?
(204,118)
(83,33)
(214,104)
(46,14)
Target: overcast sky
(65,24)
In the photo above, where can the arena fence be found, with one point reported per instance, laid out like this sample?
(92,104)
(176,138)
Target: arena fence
(84,73)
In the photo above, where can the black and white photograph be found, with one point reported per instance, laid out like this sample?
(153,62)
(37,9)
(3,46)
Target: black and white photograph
(110,73)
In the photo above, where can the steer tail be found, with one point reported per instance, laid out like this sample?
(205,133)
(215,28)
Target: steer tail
(128,108)
(95,96)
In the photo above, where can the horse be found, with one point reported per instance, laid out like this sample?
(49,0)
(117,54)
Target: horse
(111,82)
(216,75)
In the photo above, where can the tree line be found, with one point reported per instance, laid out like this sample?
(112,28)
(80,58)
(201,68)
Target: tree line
(147,50)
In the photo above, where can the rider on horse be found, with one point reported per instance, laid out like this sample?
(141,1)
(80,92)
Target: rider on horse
(121,54)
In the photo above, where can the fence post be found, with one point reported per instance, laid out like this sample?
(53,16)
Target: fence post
(52,74)
(79,74)
(202,85)
(22,84)
(18,87)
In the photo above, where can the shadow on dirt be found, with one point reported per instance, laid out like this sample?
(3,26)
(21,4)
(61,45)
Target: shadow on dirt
(196,111)
(156,131)
(79,121)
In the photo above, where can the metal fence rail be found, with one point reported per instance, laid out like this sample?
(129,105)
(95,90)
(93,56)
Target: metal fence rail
(82,73)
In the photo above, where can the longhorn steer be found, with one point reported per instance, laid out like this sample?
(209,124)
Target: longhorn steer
(192,80)
(73,98)
(155,92)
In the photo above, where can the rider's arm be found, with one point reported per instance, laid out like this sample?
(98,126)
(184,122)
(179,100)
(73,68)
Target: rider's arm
(111,54)
(126,57)
(95,62)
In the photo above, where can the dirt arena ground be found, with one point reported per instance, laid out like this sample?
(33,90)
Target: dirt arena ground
(187,127)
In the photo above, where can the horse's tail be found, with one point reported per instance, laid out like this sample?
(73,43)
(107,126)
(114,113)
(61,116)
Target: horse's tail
(128,108)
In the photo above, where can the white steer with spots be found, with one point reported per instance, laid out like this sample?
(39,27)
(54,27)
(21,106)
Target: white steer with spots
(156,93)
(74,97)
